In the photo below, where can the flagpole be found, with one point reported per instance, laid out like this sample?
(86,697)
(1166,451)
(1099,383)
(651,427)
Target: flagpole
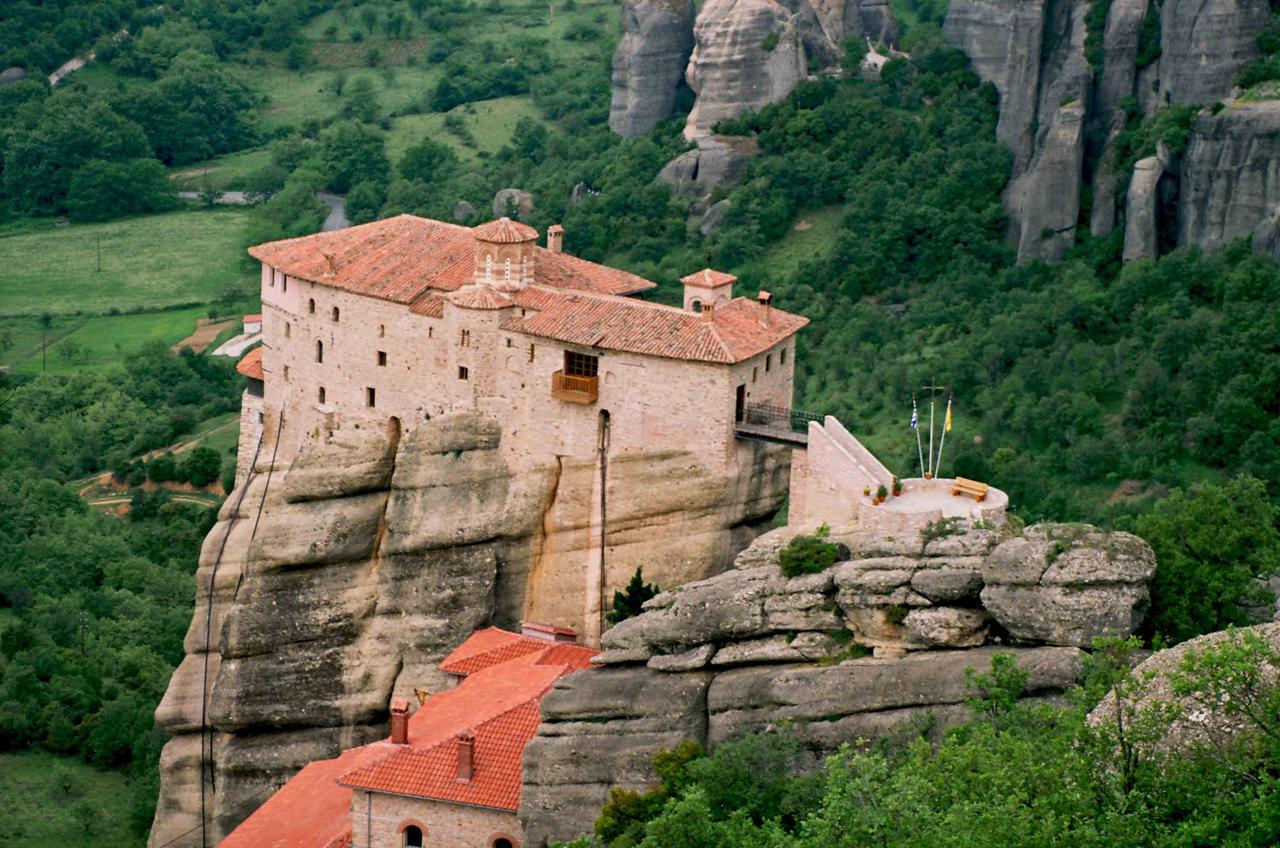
(915,425)
(929,471)
(943,441)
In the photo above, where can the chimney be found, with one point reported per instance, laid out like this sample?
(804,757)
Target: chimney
(766,300)
(555,238)
(466,757)
(332,265)
(399,721)
(708,312)
(548,633)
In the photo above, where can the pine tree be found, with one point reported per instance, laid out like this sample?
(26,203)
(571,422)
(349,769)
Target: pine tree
(628,602)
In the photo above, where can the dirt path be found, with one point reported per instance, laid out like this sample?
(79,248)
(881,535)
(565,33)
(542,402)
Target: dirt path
(67,67)
(207,330)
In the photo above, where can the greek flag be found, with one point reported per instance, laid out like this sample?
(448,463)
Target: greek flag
(915,417)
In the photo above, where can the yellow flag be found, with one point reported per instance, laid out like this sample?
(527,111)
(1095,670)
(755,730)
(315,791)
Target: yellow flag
(946,427)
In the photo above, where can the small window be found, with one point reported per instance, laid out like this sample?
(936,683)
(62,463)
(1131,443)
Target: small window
(382,330)
(284,282)
(413,837)
(462,372)
(261,418)
(382,358)
(768,362)
(507,271)
(370,396)
(580,364)
(311,306)
(697,306)
(286,373)
(755,373)
(465,339)
(488,267)
(509,342)
(335,314)
(288,329)
(782,356)
(531,352)
(431,331)
(319,351)
(503,842)
(321,395)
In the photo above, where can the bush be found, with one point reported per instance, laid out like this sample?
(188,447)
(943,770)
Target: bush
(628,603)
(202,466)
(809,555)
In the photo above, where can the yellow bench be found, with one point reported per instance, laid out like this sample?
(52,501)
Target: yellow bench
(970,487)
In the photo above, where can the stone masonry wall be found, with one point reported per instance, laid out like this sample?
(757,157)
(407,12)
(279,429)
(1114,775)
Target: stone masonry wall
(378,820)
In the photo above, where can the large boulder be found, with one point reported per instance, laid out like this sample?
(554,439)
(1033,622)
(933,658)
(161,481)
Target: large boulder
(657,38)
(509,200)
(11,75)
(717,161)
(1064,584)
(1195,720)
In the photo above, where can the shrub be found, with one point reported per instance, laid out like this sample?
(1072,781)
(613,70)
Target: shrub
(628,602)
(809,555)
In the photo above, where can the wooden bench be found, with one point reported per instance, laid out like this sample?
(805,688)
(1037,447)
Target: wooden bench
(970,487)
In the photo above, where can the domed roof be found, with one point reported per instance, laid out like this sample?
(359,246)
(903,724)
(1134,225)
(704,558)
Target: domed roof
(479,297)
(505,231)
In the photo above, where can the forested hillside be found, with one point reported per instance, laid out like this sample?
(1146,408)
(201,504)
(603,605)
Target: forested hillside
(1087,389)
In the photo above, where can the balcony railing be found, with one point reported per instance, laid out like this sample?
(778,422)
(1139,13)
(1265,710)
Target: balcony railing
(766,422)
(573,388)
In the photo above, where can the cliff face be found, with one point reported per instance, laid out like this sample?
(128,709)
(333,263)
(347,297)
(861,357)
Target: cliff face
(374,555)
(1230,173)
(657,37)
(750,648)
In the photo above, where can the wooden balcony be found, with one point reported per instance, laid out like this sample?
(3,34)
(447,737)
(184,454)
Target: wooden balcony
(574,389)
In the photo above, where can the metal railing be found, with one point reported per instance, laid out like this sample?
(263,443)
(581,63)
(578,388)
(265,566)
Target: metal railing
(778,417)
(575,388)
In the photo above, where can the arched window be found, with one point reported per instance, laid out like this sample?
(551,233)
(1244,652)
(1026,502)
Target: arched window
(413,836)
(319,351)
(311,306)
(488,267)
(502,842)
(697,305)
(288,329)
(335,314)
(321,395)
(382,330)
(507,270)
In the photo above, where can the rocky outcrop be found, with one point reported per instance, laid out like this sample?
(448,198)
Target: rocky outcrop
(464,211)
(11,75)
(750,649)
(512,200)
(373,556)
(717,161)
(1204,44)
(649,64)
(1230,173)
(1187,720)
(747,53)
(1266,237)
(1141,232)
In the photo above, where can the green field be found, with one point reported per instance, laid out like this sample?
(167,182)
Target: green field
(152,261)
(222,173)
(104,340)
(490,122)
(51,800)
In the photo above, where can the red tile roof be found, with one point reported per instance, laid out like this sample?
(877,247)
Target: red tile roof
(490,647)
(504,231)
(708,278)
(254,318)
(251,364)
(401,258)
(497,703)
(736,331)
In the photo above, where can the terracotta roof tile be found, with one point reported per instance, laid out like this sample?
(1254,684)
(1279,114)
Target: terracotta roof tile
(505,231)
(399,259)
(431,305)
(253,318)
(250,364)
(708,278)
(737,330)
(576,657)
(490,647)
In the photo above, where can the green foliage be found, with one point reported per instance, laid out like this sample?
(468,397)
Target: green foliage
(101,190)
(1170,124)
(1210,544)
(996,693)
(807,555)
(352,153)
(939,529)
(630,601)
(1149,48)
(364,200)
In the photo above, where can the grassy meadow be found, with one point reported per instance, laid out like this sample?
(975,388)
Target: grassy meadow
(52,800)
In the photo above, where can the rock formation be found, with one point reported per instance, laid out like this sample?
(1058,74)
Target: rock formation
(717,161)
(750,648)
(509,200)
(1204,44)
(463,211)
(1230,173)
(747,53)
(1193,724)
(657,38)
(1140,229)
(373,556)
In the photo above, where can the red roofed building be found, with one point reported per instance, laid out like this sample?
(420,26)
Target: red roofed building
(388,325)
(449,774)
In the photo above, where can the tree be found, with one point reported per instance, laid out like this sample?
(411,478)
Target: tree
(1210,544)
(352,153)
(101,190)
(427,161)
(629,601)
(364,201)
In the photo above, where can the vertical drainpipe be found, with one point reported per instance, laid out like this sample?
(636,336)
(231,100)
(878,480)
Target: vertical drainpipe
(368,819)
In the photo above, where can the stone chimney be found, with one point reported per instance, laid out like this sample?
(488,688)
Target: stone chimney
(466,757)
(399,721)
(331,265)
(708,312)
(548,633)
(765,299)
(555,238)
